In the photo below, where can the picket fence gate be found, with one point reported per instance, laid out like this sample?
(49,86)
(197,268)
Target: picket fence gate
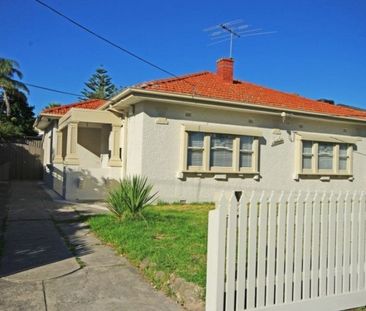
(286,251)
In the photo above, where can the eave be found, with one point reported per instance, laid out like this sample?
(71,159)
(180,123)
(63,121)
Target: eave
(133,96)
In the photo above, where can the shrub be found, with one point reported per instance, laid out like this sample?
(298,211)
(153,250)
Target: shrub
(130,197)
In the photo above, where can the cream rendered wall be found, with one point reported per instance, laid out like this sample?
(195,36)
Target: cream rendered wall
(49,143)
(46,145)
(89,184)
(135,141)
(49,148)
(89,147)
(154,151)
(57,173)
(89,180)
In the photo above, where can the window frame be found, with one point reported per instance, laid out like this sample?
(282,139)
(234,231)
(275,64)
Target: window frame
(206,165)
(316,140)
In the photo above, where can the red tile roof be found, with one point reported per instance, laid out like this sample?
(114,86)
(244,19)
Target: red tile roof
(207,84)
(87,104)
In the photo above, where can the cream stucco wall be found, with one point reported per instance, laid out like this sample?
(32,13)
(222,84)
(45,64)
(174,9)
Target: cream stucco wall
(135,142)
(89,184)
(89,146)
(49,143)
(154,150)
(49,149)
(90,179)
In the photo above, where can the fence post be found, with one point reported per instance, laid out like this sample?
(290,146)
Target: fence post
(215,283)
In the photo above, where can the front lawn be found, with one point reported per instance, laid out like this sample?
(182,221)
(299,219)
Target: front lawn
(172,237)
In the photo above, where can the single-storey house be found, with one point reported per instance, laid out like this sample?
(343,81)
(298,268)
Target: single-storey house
(196,135)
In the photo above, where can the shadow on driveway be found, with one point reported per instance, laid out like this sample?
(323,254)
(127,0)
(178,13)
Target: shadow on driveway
(30,237)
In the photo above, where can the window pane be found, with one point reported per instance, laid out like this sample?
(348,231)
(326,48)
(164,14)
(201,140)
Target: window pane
(343,150)
(306,162)
(194,157)
(307,147)
(195,139)
(222,140)
(325,163)
(326,149)
(307,153)
(325,156)
(245,159)
(221,158)
(221,150)
(342,164)
(246,143)
(343,157)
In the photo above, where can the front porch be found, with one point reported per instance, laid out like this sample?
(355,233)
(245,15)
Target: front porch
(87,157)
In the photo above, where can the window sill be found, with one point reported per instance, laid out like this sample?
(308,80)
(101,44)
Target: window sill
(220,172)
(218,175)
(326,174)
(323,176)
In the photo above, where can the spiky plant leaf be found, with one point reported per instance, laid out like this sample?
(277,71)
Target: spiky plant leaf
(130,197)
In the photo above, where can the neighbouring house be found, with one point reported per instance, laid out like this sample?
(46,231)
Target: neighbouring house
(198,134)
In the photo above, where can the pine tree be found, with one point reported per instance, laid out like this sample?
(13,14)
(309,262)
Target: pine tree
(99,85)
(52,105)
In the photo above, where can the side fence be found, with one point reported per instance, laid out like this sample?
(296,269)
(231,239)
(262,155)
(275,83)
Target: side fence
(296,251)
(21,159)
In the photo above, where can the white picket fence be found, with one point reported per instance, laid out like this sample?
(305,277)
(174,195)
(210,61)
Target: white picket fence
(277,251)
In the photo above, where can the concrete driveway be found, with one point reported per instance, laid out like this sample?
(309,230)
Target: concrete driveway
(51,261)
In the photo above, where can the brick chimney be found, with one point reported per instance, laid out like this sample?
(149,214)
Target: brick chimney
(225,68)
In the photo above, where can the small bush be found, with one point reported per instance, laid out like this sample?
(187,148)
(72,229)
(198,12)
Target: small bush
(130,197)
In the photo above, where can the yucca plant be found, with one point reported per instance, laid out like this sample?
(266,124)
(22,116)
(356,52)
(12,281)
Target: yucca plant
(130,197)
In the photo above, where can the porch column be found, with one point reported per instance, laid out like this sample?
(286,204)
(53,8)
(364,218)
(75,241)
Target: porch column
(71,144)
(58,156)
(115,159)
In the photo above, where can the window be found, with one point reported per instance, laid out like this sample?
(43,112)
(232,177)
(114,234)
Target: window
(343,157)
(221,154)
(246,151)
(227,152)
(307,154)
(325,158)
(195,149)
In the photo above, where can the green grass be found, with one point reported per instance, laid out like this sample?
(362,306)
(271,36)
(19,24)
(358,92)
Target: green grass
(172,237)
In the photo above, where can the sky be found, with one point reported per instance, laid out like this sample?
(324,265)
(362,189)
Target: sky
(318,50)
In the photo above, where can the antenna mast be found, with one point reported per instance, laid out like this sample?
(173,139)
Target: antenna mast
(232,34)
(234,29)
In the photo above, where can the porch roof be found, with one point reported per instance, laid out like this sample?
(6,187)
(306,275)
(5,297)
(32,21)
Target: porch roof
(76,115)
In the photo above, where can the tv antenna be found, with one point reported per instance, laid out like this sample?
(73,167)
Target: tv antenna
(233,30)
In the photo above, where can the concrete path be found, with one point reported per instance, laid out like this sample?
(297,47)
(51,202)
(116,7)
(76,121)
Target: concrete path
(51,261)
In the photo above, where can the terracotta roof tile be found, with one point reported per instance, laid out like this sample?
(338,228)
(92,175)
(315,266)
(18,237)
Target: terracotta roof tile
(207,84)
(87,104)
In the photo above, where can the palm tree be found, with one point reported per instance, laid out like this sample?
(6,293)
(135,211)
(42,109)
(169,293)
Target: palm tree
(9,69)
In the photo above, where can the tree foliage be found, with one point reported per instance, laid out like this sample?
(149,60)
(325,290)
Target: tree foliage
(9,70)
(16,116)
(99,85)
(21,119)
(52,105)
